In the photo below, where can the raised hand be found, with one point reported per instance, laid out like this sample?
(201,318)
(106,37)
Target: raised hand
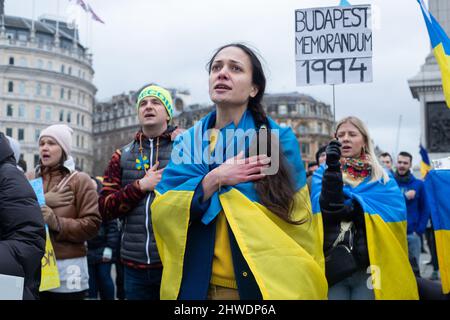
(151,178)
(333,152)
(59,198)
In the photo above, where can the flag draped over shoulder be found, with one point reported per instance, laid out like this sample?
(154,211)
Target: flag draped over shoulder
(285,259)
(385,218)
(425,164)
(441,48)
(437,185)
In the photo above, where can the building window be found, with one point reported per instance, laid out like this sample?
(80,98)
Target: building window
(49,90)
(78,119)
(22,37)
(37,112)
(22,87)
(82,121)
(22,111)
(38,89)
(10,86)
(11,61)
(37,133)
(305,148)
(61,116)
(302,129)
(82,141)
(40,64)
(36,160)
(302,109)
(48,114)
(62,93)
(82,164)
(69,94)
(282,109)
(21,135)
(69,117)
(50,66)
(70,71)
(9,132)
(62,68)
(78,141)
(9,110)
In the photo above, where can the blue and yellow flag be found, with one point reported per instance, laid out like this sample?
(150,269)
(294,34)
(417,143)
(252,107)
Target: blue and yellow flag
(286,259)
(441,48)
(425,164)
(385,217)
(437,186)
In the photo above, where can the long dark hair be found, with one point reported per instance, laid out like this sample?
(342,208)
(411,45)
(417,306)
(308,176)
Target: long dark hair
(276,192)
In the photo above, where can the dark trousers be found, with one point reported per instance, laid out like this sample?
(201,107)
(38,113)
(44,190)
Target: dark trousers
(120,290)
(100,281)
(429,234)
(142,284)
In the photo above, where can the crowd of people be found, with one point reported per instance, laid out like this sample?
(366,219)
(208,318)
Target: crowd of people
(224,210)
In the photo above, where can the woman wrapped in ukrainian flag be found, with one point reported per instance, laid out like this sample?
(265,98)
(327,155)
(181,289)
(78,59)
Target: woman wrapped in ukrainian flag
(233,221)
(364,221)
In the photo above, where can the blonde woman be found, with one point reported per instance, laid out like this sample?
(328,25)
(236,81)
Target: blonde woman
(364,221)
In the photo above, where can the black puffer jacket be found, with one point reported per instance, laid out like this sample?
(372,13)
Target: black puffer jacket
(22,231)
(336,208)
(107,237)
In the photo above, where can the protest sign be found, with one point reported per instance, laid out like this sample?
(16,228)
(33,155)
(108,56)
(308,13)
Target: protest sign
(38,187)
(333,45)
(49,268)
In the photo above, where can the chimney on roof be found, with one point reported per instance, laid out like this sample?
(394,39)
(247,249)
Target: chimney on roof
(2,7)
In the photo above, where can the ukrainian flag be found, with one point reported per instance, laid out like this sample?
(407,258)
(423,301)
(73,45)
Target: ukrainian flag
(437,185)
(286,260)
(441,48)
(385,217)
(425,164)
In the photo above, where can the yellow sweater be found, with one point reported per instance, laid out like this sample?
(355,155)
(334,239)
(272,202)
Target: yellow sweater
(222,267)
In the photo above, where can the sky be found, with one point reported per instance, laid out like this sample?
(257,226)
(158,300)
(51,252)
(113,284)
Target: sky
(170,41)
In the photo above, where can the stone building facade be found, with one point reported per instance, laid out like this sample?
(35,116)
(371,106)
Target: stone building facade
(45,78)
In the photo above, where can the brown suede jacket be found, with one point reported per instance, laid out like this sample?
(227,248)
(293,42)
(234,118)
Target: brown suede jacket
(79,221)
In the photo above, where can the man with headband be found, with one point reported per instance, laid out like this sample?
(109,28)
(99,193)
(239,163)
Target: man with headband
(128,191)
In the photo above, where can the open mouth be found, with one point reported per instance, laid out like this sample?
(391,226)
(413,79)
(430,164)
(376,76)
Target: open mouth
(221,87)
(149,116)
(346,148)
(45,157)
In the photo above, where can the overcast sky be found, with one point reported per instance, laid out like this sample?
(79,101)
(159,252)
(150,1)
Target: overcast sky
(170,42)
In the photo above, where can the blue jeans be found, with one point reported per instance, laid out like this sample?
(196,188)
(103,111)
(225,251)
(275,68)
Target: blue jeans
(352,288)
(100,281)
(142,284)
(414,247)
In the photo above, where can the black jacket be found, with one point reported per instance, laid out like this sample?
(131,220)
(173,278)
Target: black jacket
(336,208)
(22,231)
(108,236)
